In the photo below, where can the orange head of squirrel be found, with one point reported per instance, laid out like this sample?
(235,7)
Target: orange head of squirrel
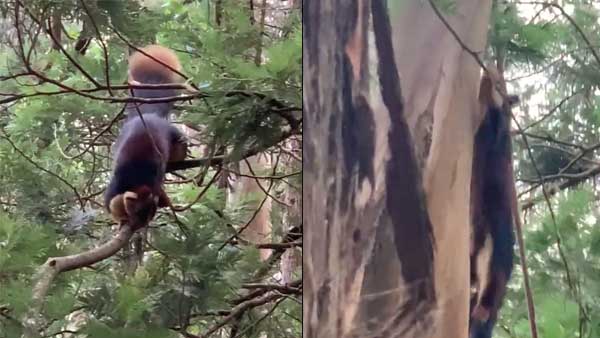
(137,208)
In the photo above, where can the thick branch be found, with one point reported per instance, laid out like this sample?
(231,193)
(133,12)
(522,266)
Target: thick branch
(293,235)
(56,265)
(293,288)
(218,160)
(243,307)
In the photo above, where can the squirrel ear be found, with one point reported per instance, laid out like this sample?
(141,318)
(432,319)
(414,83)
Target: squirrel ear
(130,195)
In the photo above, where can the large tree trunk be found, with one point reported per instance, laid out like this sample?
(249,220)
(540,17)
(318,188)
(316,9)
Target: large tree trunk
(440,82)
(370,231)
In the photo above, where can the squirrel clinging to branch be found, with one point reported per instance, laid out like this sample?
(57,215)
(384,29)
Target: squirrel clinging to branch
(147,141)
(494,210)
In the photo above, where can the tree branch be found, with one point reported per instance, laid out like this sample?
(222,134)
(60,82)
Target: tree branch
(221,159)
(56,265)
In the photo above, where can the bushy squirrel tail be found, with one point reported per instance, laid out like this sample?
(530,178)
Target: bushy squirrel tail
(153,65)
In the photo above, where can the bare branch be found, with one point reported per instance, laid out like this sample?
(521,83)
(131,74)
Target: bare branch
(56,265)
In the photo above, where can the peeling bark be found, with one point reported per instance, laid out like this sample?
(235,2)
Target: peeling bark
(428,54)
(363,173)
(388,172)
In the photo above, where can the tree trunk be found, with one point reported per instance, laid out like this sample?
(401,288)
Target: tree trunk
(218,12)
(291,216)
(259,44)
(428,54)
(55,29)
(381,260)
(259,229)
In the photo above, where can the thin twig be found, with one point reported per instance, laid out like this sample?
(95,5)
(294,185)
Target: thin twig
(202,193)
(102,44)
(35,164)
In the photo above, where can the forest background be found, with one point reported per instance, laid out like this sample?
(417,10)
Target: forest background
(226,261)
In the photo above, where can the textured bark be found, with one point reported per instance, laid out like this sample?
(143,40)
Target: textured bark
(341,198)
(361,171)
(387,254)
(440,79)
